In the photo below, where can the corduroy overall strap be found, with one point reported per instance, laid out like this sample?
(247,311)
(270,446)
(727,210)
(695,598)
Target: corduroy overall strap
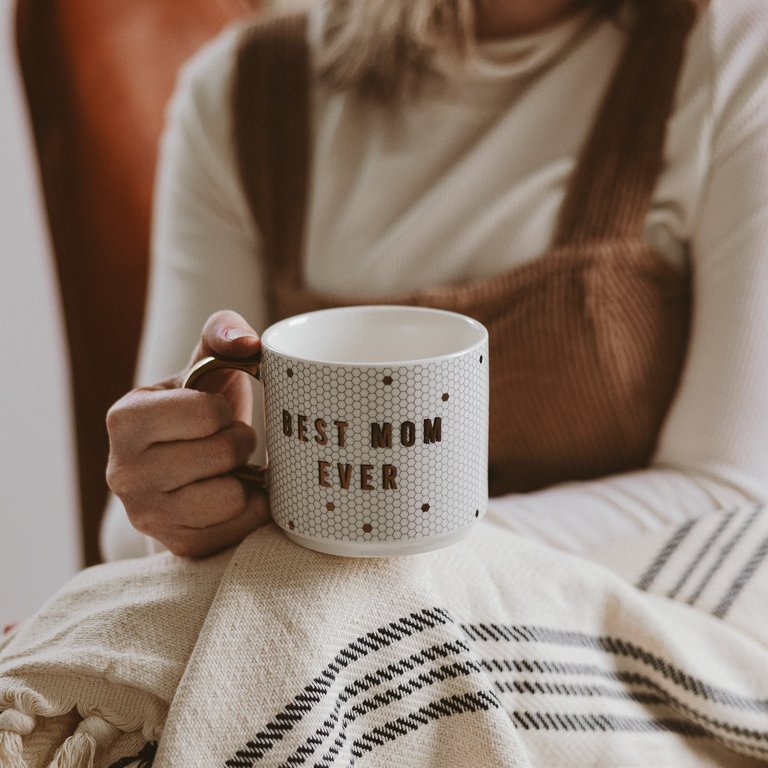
(270,108)
(611,189)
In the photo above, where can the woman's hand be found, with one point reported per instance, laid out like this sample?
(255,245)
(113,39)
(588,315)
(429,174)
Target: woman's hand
(171,449)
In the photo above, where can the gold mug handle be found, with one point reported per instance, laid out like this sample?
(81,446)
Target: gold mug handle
(251,473)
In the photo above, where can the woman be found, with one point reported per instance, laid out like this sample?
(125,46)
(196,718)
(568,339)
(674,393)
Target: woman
(448,141)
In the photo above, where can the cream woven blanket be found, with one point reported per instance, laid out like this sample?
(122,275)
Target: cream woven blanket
(497,651)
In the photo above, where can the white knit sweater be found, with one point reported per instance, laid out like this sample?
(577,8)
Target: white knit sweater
(467,182)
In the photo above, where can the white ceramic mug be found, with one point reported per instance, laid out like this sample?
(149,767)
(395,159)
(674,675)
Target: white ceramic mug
(376,427)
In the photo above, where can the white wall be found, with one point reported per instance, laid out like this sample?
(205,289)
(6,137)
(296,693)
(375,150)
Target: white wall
(39,545)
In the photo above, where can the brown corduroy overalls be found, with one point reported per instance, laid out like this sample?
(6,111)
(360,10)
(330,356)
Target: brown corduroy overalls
(586,342)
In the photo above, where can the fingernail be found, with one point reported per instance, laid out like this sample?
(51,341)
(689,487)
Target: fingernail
(238,333)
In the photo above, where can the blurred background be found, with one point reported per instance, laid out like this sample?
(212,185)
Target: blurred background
(83,88)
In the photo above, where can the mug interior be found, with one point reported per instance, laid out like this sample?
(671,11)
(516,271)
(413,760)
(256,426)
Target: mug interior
(374,335)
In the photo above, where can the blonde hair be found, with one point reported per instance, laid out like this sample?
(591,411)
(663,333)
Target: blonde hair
(386,49)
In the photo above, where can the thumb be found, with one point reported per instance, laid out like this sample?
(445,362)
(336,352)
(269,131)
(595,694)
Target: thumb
(227,334)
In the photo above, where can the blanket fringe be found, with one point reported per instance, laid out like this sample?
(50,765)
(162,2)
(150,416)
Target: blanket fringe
(11,750)
(14,725)
(79,750)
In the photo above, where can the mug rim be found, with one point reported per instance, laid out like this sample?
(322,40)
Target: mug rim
(476,326)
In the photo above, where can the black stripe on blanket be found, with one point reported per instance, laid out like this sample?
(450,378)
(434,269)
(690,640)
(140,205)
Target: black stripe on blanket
(725,551)
(558,721)
(684,553)
(747,572)
(700,555)
(453,705)
(574,669)
(285,721)
(665,553)
(535,687)
(380,699)
(728,732)
(144,759)
(618,647)
(561,722)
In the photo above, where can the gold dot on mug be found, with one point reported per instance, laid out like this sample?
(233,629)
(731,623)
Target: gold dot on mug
(425,507)
(477,513)
(481,358)
(367,528)
(387,380)
(290,372)
(445,396)
(291,524)
(330,506)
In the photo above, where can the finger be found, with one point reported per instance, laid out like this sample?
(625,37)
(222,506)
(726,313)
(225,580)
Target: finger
(152,415)
(209,502)
(170,466)
(200,542)
(235,386)
(227,334)
(198,506)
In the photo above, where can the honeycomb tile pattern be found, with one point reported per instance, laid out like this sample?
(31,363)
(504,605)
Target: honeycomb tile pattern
(377,454)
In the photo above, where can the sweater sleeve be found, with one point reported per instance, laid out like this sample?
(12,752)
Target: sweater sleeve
(204,243)
(713,449)
(204,250)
